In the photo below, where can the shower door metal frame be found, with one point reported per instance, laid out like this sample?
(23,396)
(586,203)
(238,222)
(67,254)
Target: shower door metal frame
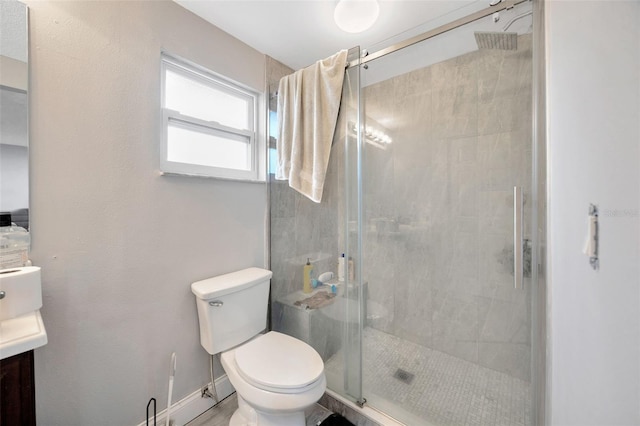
(540,373)
(353,288)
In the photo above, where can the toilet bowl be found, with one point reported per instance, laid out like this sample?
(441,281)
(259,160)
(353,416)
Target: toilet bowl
(276,376)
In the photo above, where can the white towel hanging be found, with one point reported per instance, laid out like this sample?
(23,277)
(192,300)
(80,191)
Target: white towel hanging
(308,104)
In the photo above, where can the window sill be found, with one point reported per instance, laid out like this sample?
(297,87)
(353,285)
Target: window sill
(227,179)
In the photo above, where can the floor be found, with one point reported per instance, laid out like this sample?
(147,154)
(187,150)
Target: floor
(218,415)
(418,386)
(221,414)
(426,387)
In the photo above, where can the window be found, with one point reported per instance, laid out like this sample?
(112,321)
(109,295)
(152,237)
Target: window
(209,124)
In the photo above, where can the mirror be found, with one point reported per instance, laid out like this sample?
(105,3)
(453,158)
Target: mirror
(14,112)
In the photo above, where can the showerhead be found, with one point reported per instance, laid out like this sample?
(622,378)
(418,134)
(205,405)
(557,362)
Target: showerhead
(496,40)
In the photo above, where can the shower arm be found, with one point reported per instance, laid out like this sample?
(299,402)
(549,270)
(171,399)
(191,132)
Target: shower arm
(516,18)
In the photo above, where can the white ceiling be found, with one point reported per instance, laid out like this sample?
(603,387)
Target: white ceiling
(300,32)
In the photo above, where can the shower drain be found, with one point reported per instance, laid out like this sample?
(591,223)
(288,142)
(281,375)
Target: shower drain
(404,376)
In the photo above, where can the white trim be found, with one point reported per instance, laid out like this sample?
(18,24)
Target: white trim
(199,69)
(193,405)
(253,134)
(192,169)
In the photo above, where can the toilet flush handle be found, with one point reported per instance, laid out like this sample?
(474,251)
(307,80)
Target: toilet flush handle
(216,303)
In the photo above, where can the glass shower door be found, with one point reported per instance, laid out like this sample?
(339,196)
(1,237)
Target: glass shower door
(331,322)
(344,370)
(447,131)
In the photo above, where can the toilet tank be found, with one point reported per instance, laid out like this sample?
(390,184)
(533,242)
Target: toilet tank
(232,308)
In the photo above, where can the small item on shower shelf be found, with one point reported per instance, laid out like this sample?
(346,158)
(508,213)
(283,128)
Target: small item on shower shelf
(341,268)
(318,300)
(325,277)
(306,276)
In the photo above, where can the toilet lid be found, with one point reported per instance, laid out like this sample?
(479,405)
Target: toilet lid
(275,360)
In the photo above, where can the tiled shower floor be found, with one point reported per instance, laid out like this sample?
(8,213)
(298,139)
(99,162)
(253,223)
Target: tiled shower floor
(427,387)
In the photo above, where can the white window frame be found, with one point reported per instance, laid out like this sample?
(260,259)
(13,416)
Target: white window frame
(208,78)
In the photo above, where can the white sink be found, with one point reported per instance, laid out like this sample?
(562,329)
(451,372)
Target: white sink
(20,291)
(21,334)
(21,326)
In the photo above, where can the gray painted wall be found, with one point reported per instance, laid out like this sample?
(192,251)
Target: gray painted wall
(593,113)
(118,243)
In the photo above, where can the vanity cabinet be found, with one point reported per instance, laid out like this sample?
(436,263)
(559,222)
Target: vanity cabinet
(17,391)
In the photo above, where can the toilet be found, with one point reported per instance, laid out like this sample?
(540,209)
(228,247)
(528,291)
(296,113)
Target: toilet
(275,376)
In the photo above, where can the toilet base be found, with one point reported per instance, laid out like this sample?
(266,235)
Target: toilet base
(246,415)
(238,420)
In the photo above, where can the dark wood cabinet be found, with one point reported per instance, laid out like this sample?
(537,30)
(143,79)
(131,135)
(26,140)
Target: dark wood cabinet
(17,391)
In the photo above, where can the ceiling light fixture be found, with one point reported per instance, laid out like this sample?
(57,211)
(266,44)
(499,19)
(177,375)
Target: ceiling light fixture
(356,16)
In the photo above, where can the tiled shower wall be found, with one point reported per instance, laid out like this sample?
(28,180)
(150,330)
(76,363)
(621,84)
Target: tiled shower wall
(302,229)
(438,242)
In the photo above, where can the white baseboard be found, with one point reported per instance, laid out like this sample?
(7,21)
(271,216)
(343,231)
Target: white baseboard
(191,406)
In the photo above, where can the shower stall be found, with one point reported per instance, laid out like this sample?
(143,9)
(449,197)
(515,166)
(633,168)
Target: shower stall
(432,196)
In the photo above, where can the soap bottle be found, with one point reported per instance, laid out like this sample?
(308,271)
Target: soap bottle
(341,268)
(14,243)
(306,275)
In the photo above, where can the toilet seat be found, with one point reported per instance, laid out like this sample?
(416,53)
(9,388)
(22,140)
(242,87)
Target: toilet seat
(279,363)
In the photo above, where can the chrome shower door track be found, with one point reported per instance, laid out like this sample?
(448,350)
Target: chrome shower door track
(505,5)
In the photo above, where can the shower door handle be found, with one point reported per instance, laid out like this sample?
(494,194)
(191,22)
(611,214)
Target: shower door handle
(518,270)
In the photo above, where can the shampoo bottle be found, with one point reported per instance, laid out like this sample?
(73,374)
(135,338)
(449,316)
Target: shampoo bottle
(306,275)
(341,268)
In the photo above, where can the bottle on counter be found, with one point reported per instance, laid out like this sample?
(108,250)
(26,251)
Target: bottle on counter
(306,275)
(14,243)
